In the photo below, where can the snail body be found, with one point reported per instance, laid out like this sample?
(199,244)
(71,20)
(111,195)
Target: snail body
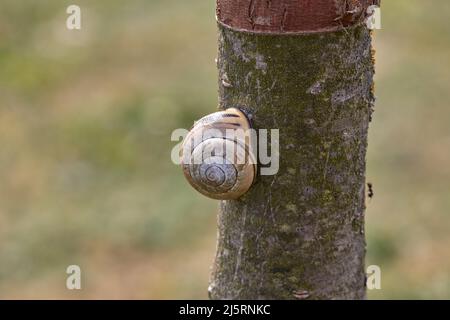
(217,155)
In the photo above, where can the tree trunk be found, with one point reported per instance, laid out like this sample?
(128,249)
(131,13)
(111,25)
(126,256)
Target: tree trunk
(299,233)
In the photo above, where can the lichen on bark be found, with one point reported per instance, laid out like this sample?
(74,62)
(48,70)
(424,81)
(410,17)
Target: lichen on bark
(303,228)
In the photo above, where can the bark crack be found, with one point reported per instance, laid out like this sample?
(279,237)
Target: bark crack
(251,12)
(283,20)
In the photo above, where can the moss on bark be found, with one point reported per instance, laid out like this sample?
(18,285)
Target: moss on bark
(302,229)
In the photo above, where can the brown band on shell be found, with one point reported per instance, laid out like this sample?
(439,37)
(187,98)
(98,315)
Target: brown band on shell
(291,16)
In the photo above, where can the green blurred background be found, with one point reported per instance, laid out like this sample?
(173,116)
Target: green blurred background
(85,170)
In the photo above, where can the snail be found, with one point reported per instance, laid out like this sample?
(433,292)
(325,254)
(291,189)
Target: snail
(217,155)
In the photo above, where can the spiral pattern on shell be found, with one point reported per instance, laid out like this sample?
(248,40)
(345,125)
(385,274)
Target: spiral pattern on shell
(216,165)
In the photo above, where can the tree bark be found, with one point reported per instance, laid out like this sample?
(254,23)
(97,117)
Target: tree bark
(300,233)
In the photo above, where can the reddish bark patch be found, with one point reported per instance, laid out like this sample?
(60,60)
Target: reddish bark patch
(291,16)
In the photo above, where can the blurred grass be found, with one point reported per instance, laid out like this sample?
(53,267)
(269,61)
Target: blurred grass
(86,177)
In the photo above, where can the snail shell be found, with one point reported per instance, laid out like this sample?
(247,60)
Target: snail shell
(219,165)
